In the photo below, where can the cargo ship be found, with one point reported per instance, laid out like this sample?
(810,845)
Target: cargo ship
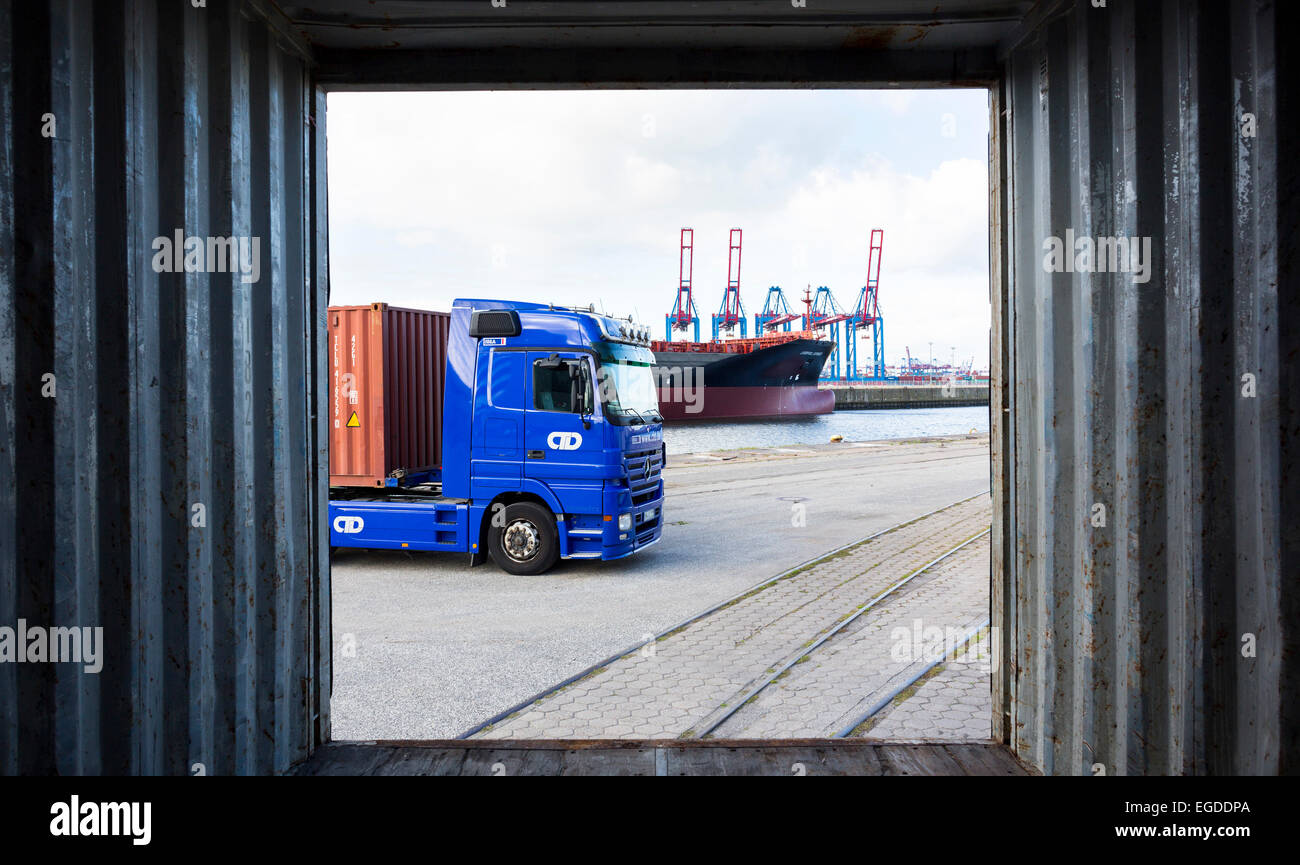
(771,376)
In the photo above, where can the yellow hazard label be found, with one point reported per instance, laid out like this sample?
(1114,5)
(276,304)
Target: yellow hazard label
(353,421)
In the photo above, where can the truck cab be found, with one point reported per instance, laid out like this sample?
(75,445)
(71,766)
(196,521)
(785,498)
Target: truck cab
(552,445)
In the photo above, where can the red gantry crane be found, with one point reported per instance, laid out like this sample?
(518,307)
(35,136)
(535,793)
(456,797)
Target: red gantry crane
(684,315)
(732,311)
(866,320)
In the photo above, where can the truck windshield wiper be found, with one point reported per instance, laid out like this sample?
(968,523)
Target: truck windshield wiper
(626,411)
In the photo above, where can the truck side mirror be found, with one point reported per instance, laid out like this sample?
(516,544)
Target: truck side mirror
(580,392)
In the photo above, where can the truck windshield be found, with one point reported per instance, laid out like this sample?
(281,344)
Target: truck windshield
(627,385)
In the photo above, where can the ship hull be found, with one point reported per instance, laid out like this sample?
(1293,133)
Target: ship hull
(777,381)
(748,403)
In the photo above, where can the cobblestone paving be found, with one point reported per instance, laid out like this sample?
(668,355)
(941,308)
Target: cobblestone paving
(671,686)
(956,704)
(886,646)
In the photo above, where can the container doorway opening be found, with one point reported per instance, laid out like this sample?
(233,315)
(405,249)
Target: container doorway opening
(165,435)
(771,339)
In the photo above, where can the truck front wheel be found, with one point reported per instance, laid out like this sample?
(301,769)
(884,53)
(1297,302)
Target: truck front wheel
(525,543)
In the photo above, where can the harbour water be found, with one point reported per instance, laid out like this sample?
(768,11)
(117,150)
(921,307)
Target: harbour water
(853,425)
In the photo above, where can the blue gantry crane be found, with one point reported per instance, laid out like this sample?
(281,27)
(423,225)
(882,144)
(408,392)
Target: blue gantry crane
(825,313)
(776,314)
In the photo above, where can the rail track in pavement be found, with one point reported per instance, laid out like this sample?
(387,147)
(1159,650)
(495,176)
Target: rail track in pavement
(703,675)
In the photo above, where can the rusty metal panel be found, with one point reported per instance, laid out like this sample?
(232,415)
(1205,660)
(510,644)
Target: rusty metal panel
(388,371)
(826,24)
(128,395)
(160,448)
(652,43)
(1151,601)
(320,672)
(10,729)
(1001,598)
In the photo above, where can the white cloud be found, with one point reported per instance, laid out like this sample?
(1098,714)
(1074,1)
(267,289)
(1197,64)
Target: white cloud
(578,197)
(421,237)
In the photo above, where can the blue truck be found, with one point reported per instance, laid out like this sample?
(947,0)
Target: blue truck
(552,446)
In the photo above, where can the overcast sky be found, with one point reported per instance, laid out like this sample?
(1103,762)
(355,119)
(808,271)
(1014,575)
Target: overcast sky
(577,197)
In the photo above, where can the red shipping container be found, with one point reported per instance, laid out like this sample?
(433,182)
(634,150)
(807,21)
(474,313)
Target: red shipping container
(388,369)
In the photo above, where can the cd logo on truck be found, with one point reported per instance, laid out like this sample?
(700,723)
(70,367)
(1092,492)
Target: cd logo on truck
(348,525)
(564,441)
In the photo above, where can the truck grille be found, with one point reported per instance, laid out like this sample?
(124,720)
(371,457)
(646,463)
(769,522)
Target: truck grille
(643,468)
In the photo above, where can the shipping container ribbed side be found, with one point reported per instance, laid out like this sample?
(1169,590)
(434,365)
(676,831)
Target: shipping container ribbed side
(162,459)
(1147,425)
(163,436)
(388,370)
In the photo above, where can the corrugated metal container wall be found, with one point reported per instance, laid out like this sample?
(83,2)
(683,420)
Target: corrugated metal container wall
(1148,574)
(161,461)
(388,370)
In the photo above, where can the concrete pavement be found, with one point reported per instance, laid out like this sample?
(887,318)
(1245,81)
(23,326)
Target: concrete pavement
(426,647)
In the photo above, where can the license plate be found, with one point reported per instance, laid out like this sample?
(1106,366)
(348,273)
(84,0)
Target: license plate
(650,514)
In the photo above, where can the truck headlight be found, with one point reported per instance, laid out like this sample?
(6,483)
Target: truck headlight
(625,522)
